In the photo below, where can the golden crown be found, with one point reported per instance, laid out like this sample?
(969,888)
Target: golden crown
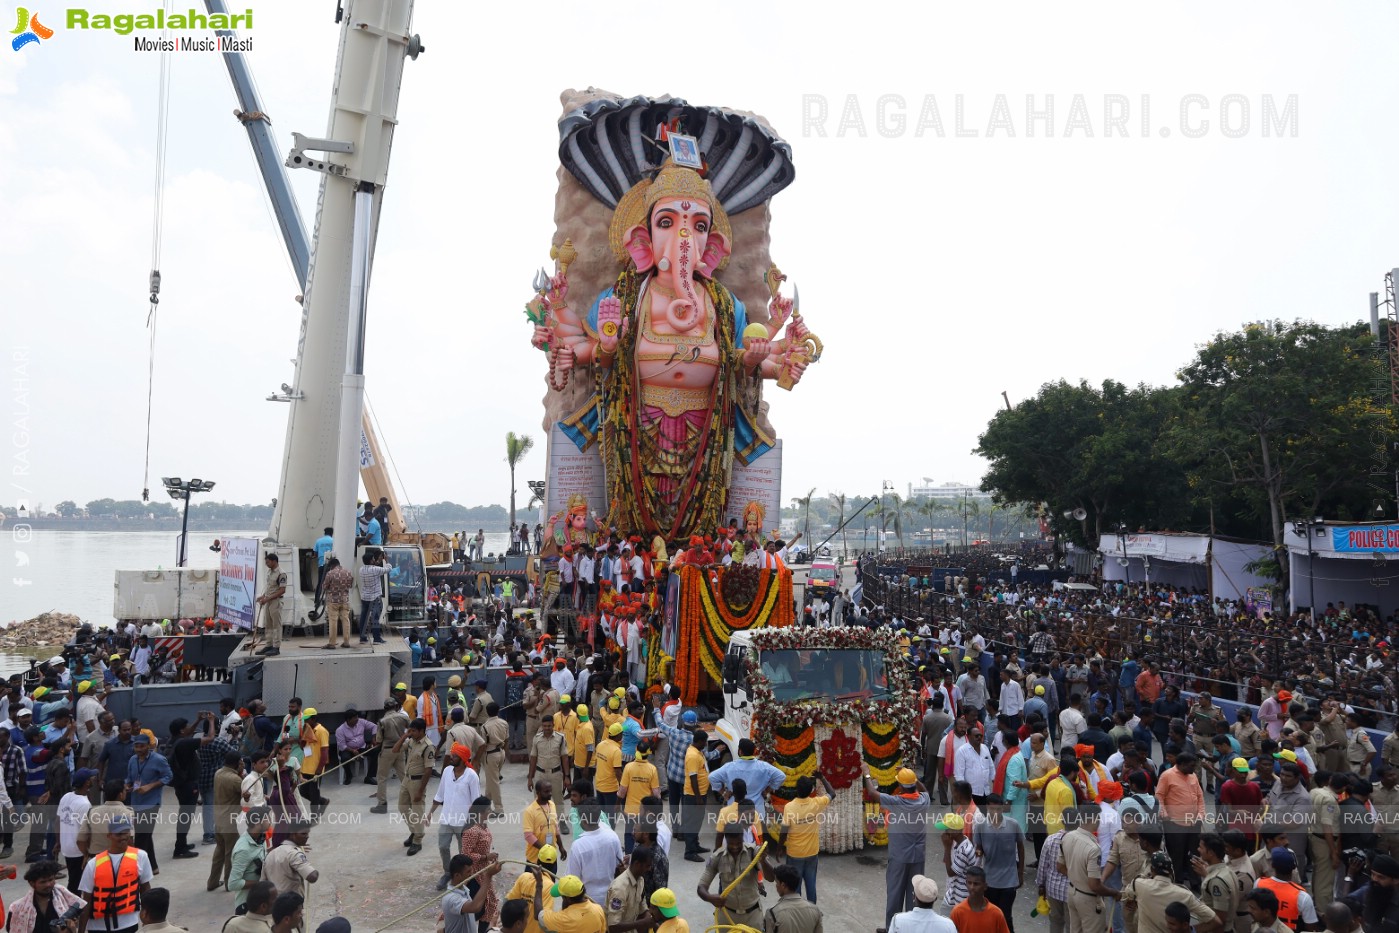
(577,503)
(672,181)
(754,510)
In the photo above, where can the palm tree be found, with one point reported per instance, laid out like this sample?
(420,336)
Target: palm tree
(991,509)
(804,503)
(839,499)
(516,446)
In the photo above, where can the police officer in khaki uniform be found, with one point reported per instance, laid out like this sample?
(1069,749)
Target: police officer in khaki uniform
(271,603)
(1079,859)
(392,725)
(459,733)
(539,702)
(478,715)
(792,913)
(744,904)
(547,762)
(496,732)
(415,753)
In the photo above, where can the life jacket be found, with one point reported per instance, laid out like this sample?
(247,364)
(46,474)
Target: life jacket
(1288,910)
(116,887)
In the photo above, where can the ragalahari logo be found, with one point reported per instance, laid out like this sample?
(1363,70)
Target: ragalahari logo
(28,29)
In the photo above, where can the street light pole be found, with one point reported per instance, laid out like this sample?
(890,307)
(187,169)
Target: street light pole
(1308,528)
(184,489)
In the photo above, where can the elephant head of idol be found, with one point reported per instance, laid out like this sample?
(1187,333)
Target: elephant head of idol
(674,227)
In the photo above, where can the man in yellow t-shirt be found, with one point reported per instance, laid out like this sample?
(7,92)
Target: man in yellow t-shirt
(524,886)
(694,792)
(410,702)
(566,722)
(801,829)
(578,915)
(541,822)
(584,744)
(607,760)
(313,763)
(612,712)
(639,779)
(665,909)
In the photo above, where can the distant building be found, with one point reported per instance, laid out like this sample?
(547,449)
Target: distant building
(945,491)
(413,513)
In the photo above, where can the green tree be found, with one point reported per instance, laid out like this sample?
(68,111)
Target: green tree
(838,500)
(1287,416)
(516,446)
(803,504)
(1102,449)
(68,509)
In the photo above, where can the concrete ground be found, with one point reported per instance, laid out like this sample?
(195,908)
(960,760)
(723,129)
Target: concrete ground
(366,877)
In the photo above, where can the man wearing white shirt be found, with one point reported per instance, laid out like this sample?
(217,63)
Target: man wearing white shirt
(585,587)
(562,679)
(456,792)
(141,657)
(595,854)
(1012,699)
(1071,722)
(975,765)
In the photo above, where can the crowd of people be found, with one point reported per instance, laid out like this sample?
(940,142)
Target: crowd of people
(1071,754)
(1222,645)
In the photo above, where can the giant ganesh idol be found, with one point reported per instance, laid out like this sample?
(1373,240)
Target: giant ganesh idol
(664,315)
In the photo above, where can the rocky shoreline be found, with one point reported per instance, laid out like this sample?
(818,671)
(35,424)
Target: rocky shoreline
(48,629)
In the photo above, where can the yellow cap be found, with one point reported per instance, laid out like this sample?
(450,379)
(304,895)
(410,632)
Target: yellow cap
(400,686)
(548,854)
(1039,690)
(906,777)
(431,641)
(567,886)
(115,657)
(1285,754)
(664,898)
(565,699)
(454,680)
(308,712)
(582,711)
(84,686)
(620,692)
(614,703)
(615,729)
(1240,764)
(41,693)
(953,822)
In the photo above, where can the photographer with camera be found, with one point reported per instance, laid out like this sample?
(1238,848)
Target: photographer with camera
(48,905)
(1375,901)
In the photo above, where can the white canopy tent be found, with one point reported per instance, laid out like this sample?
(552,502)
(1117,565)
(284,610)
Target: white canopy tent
(1183,560)
(1357,564)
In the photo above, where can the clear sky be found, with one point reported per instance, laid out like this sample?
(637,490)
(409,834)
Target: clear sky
(939,269)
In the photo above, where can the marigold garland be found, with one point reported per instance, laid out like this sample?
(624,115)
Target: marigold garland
(707,621)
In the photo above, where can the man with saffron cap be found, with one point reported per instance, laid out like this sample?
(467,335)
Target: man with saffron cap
(907,837)
(456,792)
(1090,772)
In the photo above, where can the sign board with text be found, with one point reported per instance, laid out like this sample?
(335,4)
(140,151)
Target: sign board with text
(760,480)
(238,561)
(1365,538)
(574,472)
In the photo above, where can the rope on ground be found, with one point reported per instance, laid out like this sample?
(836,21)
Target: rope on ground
(437,898)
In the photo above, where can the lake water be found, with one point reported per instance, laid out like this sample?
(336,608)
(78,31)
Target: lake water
(73,571)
